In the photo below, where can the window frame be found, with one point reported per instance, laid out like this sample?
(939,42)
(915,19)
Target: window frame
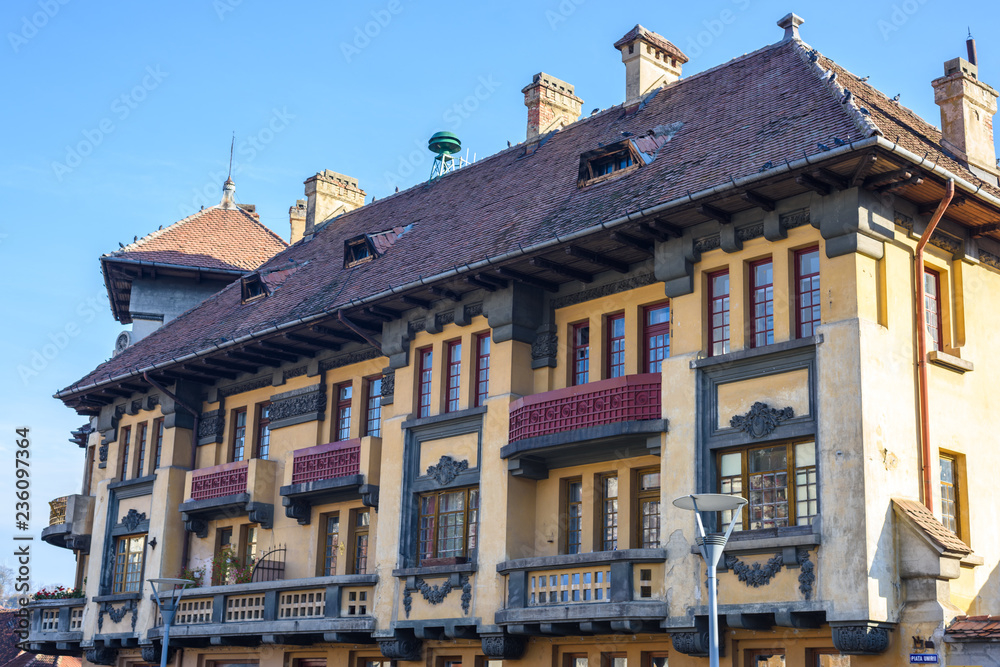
(120,580)
(482,388)
(646,495)
(714,332)
(767,301)
(578,377)
(610,544)
(343,412)
(157,442)
(358,562)
(262,438)
(373,406)
(956,492)
(126,443)
(800,322)
(239,436)
(470,526)
(651,331)
(141,438)
(570,545)
(326,560)
(425,381)
(453,375)
(933,321)
(611,364)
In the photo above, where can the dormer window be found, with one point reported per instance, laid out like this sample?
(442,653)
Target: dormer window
(605,162)
(253,287)
(357,251)
(612,164)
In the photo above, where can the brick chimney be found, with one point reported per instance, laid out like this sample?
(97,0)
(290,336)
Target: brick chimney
(551,105)
(967,108)
(297,220)
(651,62)
(329,194)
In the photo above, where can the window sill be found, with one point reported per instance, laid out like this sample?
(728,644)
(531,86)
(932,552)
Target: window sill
(752,352)
(592,558)
(434,570)
(769,540)
(949,361)
(116,597)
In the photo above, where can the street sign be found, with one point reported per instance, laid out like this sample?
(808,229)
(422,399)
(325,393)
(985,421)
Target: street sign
(923,658)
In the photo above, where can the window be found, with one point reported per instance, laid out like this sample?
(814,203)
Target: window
(649,508)
(932,308)
(331,542)
(128,564)
(769,657)
(224,545)
(950,514)
(239,434)
(616,346)
(264,431)
(362,522)
(806,292)
(252,287)
(424,378)
(373,407)
(612,164)
(609,492)
(357,250)
(454,349)
(654,659)
(656,336)
(574,516)
(140,442)
(581,353)
(778,481)
(126,440)
(718,313)
(618,157)
(448,524)
(157,441)
(761,303)
(250,535)
(827,657)
(614,660)
(482,368)
(343,424)
(575,660)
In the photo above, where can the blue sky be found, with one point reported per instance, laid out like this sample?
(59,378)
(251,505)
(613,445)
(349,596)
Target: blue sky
(119,117)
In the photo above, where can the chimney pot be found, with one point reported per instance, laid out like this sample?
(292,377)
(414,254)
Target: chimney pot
(967,109)
(651,62)
(329,194)
(791,22)
(551,105)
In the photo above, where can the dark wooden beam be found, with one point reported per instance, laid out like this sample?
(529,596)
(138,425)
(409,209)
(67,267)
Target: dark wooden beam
(650,230)
(447,293)
(188,377)
(831,178)
(528,280)
(499,282)
(475,282)
(864,165)
(629,240)
(597,258)
(287,349)
(272,354)
(715,213)
(807,181)
(568,271)
(916,179)
(367,325)
(212,372)
(115,391)
(312,342)
(337,334)
(758,200)
(668,227)
(382,311)
(928,209)
(414,301)
(877,180)
(232,365)
(259,358)
(982,230)
(133,387)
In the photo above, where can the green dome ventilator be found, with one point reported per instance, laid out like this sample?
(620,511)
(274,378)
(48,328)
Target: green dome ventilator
(444,145)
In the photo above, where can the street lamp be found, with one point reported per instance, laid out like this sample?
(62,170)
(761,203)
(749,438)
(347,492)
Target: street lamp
(168,607)
(711,547)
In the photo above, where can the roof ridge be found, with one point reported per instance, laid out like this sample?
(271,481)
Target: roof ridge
(256,220)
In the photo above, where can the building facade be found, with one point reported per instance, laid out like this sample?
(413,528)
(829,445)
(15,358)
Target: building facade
(449,426)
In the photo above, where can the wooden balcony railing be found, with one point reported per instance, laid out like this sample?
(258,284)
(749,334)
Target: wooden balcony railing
(330,461)
(216,482)
(629,398)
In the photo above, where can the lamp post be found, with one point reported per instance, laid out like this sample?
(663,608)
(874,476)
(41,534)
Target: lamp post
(711,547)
(168,607)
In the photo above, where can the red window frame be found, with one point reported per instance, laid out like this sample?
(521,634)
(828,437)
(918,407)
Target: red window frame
(807,303)
(264,430)
(761,304)
(424,378)
(655,338)
(157,441)
(373,406)
(239,435)
(718,315)
(453,379)
(932,308)
(483,343)
(345,394)
(140,442)
(580,368)
(126,442)
(616,345)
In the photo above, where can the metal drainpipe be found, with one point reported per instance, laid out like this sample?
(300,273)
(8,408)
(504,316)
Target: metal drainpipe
(918,277)
(194,449)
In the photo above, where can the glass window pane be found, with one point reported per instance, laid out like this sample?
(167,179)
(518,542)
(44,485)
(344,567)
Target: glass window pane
(805,454)
(731,464)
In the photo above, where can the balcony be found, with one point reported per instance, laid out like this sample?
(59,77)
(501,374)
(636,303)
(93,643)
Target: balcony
(56,626)
(599,421)
(71,521)
(243,488)
(332,472)
(300,611)
(583,594)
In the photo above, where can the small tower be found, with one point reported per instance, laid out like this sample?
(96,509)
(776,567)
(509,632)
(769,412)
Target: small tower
(551,105)
(329,194)
(651,62)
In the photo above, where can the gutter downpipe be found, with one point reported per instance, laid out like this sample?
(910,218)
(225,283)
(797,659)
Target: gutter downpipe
(924,408)
(194,449)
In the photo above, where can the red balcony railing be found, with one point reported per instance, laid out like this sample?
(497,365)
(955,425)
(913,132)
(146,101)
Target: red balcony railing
(330,461)
(225,480)
(629,398)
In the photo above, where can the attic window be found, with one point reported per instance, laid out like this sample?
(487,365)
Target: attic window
(603,163)
(253,287)
(358,250)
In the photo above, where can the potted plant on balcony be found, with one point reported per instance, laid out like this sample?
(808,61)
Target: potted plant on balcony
(58,593)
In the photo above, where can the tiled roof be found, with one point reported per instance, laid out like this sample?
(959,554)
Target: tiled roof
(26,659)
(974,628)
(657,40)
(934,529)
(213,238)
(763,107)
